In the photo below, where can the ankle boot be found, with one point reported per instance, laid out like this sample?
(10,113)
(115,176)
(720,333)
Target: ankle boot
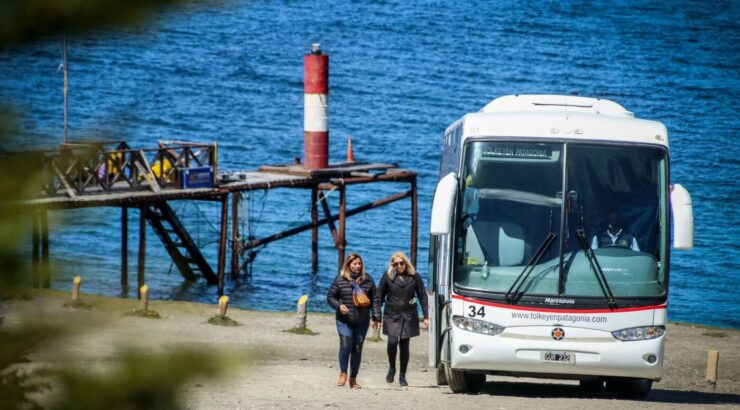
(391,374)
(402,380)
(353,383)
(342,379)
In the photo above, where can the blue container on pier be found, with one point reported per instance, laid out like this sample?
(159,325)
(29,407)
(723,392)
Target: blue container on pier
(197,177)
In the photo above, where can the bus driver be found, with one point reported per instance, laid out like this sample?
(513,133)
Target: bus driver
(615,236)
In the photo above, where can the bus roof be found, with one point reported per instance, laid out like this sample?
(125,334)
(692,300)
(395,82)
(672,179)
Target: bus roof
(561,117)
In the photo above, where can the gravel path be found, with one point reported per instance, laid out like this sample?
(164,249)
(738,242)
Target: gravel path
(286,370)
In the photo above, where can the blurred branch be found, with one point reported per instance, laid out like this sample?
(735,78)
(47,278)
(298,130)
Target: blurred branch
(24,21)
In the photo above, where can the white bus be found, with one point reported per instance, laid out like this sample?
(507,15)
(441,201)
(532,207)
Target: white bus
(549,253)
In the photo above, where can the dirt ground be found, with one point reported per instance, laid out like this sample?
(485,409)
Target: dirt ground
(287,370)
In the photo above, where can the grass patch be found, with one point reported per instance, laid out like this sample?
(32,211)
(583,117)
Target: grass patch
(374,339)
(15,295)
(219,320)
(301,331)
(77,304)
(149,314)
(714,334)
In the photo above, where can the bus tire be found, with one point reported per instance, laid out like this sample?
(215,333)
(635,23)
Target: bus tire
(591,386)
(441,378)
(628,388)
(464,382)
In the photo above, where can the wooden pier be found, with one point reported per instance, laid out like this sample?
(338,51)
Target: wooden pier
(82,175)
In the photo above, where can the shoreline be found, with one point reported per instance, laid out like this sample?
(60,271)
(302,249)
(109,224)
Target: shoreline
(64,293)
(286,370)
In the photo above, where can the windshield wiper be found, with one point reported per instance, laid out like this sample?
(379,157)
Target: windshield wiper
(522,278)
(591,256)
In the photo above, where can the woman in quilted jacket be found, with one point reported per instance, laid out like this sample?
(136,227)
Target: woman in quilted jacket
(355,298)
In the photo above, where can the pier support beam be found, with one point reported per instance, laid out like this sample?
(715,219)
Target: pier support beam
(234,235)
(124,250)
(35,256)
(142,251)
(222,244)
(342,225)
(314,231)
(45,271)
(414,221)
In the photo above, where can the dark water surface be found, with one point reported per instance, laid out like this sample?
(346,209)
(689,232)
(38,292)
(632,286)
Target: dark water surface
(400,73)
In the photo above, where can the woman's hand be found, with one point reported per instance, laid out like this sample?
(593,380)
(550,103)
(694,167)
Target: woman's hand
(426,323)
(343,309)
(375,324)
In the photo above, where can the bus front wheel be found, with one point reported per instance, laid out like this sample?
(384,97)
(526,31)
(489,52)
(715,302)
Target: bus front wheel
(461,381)
(636,389)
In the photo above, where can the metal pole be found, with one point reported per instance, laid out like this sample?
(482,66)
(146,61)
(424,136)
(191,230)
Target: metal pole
(35,256)
(222,244)
(46,279)
(64,68)
(142,250)
(124,250)
(414,221)
(234,235)
(342,225)
(314,231)
(329,218)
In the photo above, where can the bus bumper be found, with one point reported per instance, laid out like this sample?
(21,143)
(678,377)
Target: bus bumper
(600,355)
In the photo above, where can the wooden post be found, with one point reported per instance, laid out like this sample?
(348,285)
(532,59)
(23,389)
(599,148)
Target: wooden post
(142,249)
(144,298)
(314,231)
(234,235)
(414,221)
(76,288)
(223,305)
(376,333)
(45,272)
(342,223)
(222,244)
(302,312)
(36,251)
(124,250)
(712,365)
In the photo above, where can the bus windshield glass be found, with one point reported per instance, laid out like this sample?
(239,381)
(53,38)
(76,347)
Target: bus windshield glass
(518,234)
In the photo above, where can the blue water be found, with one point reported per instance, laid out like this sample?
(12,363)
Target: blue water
(400,73)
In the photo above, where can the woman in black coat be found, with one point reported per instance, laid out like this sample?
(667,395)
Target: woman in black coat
(353,319)
(402,291)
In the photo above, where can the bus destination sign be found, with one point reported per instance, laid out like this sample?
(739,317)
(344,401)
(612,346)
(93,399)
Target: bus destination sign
(518,152)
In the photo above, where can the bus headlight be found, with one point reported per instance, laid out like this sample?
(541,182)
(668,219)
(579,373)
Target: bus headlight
(477,326)
(639,333)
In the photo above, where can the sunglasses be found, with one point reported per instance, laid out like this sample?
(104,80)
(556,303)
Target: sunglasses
(399,264)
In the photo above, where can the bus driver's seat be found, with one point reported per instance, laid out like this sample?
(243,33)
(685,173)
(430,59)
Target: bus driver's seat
(497,243)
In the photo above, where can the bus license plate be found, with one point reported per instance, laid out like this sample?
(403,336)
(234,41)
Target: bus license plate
(558,357)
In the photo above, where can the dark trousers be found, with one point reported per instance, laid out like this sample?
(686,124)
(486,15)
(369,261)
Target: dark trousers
(351,337)
(394,344)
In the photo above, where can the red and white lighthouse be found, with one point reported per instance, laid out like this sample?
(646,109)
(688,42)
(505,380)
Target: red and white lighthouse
(316,109)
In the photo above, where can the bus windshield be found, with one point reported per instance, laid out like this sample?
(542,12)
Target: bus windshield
(562,219)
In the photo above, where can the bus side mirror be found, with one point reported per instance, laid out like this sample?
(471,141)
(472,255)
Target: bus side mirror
(683,218)
(444,202)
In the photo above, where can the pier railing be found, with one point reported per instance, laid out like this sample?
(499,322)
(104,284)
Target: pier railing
(86,168)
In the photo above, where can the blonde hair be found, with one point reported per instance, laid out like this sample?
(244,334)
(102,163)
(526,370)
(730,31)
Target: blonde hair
(409,267)
(346,273)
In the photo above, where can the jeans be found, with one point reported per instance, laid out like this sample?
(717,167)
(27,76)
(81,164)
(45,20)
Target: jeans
(351,337)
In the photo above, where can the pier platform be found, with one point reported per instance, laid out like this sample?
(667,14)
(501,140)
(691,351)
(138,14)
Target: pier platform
(112,174)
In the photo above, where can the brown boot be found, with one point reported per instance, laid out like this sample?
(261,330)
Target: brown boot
(342,379)
(353,383)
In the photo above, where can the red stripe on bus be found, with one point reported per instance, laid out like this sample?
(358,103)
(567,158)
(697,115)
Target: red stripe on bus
(551,310)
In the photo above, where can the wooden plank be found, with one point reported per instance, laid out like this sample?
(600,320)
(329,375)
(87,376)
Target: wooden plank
(67,187)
